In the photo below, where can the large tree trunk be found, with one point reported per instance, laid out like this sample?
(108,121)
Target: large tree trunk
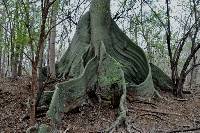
(102,59)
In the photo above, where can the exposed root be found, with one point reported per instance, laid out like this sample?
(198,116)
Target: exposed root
(72,93)
(43,129)
(131,128)
(118,64)
(159,97)
(32,128)
(122,110)
(146,102)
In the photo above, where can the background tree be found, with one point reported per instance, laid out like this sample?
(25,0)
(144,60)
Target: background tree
(52,41)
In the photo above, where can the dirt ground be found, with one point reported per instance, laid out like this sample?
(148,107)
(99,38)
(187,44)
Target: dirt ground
(168,115)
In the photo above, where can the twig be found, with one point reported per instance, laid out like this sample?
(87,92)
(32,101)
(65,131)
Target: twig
(151,115)
(154,111)
(68,17)
(145,102)
(28,57)
(156,15)
(193,66)
(131,128)
(181,99)
(184,130)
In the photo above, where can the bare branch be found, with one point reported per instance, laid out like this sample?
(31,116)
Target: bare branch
(189,58)
(184,130)
(68,17)
(192,68)
(4,28)
(162,23)
(27,57)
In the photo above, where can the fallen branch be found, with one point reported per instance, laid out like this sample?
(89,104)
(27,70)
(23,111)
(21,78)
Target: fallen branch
(184,130)
(131,128)
(145,102)
(181,99)
(154,111)
(151,115)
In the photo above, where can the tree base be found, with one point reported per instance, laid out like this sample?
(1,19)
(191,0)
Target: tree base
(102,60)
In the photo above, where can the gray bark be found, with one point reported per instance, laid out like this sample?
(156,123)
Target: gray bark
(52,41)
(102,59)
(1,60)
(20,61)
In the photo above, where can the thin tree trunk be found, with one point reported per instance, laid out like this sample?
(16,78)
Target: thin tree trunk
(0,60)
(5,55)
(13,57)
(7,73)
(3,64)
(40,49)
(20,62)
(52,40)
(184,72)
(193,40)
(168,33)
(34,88)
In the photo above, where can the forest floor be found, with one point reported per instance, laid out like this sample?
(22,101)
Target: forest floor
(154,116)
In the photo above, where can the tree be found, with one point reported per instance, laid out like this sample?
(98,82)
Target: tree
(179,78)
(37,51)
(193,38)
(104,63)
(176,43)
(52,41)
(1,50)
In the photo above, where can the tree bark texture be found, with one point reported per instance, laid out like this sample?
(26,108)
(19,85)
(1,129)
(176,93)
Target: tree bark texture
(101,58)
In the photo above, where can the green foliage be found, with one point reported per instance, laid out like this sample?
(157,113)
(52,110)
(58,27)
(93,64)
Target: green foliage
(21,36)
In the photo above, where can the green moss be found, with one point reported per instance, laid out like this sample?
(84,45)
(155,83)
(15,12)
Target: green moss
(43,129)
(109,75)
(109,72)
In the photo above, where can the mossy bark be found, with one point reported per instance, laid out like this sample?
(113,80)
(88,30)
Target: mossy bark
(101,55)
